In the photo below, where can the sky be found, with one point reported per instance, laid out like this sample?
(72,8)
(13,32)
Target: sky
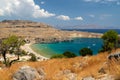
(64,13)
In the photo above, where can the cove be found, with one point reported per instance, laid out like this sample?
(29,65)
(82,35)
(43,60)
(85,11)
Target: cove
(49,49)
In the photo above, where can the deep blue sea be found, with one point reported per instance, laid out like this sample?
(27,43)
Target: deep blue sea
(94,30)
(58,48)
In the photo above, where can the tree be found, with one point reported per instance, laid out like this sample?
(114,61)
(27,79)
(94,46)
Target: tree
(110,40)
(11,45)
(85,51)
(69,54)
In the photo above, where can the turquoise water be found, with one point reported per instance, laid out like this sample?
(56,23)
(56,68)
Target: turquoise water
(74,46)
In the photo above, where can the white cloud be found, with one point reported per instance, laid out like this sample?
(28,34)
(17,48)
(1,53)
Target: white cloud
(78,18)
(1,12)
(63,17)
(22,8)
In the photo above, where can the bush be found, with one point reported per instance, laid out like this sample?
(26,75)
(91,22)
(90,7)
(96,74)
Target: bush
(85,51)
(69,54)
(33,57)
(66,54)
(23,53)
(110,40)
(58,56)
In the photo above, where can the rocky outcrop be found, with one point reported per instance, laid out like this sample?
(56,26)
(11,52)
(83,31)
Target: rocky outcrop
(116,56)
(28,73)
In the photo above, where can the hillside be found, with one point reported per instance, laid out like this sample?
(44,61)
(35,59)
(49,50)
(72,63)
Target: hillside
(37,32)
(97,67)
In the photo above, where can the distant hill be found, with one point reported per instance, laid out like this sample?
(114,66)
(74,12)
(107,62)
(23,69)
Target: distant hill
(21,23)
(38,31)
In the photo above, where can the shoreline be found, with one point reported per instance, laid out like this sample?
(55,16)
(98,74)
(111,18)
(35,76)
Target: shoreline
(28,49)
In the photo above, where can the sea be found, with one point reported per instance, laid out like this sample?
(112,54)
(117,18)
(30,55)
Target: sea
(94,30)
(50,49)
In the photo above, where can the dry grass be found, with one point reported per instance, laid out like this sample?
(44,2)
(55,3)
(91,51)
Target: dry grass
(89,67)
(114,68)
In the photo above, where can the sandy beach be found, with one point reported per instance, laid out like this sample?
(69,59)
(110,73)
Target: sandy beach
(28,49)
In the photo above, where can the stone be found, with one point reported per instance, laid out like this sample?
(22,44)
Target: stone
(88,78)
(71,76)
(28,73)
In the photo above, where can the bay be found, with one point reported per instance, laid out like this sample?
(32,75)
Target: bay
(74,46)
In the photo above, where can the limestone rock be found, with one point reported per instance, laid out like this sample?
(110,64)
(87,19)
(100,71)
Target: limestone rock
(28,73)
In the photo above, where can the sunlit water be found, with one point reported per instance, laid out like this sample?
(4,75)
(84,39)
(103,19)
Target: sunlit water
(58,48)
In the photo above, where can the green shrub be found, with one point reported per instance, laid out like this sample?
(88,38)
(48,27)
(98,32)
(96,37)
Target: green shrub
(69,54)
(33,57)
(66,54)
(58,56)
(85,51)
(23,53)
(110,40)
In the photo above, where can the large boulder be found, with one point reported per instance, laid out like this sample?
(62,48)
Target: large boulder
(28,73)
